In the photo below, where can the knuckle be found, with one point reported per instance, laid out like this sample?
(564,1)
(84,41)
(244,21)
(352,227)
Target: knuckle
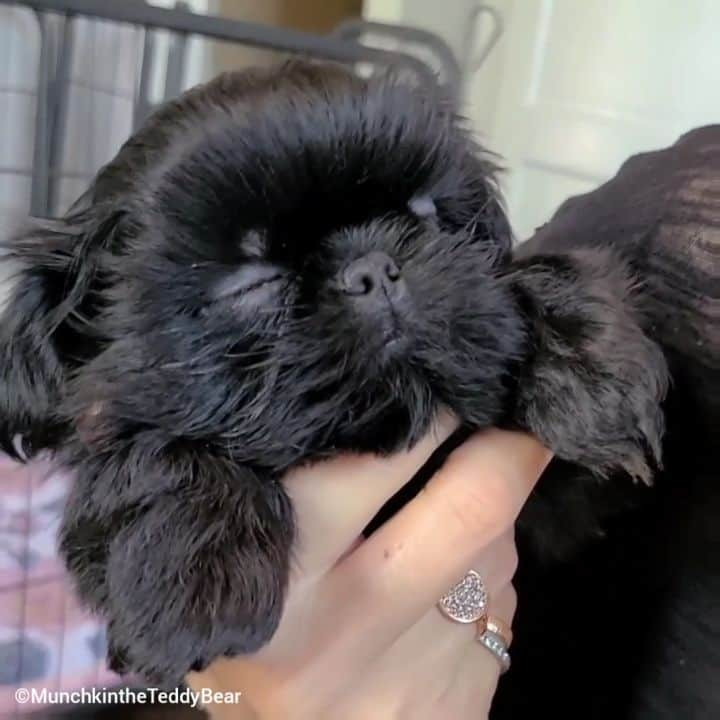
(475,511)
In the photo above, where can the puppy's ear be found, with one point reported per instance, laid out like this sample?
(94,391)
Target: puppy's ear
(188,564)
(43,323)
(593,386)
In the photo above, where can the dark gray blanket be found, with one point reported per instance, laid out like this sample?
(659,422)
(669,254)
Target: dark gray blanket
(662,210)
(631,628)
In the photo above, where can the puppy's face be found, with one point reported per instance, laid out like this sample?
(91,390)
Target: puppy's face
(311,272)
(279,266)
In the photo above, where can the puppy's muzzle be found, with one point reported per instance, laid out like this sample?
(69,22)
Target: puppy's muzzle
(378,292)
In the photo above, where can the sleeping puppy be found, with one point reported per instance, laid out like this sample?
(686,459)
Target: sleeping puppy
(280,266)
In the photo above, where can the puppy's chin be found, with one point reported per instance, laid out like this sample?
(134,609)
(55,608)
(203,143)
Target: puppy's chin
(394,348)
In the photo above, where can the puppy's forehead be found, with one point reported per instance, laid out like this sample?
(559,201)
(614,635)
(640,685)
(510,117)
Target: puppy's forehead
(336,144)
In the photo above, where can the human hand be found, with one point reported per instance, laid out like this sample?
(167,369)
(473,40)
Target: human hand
(361,636)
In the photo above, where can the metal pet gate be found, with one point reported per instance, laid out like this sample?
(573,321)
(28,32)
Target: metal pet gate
(421,53)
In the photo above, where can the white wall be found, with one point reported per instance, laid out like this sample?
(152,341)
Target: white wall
(574,88)
(586,85)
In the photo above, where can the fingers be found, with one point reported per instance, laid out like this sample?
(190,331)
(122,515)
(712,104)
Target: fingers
(478,671)
(497,562)
(440,637)
(430,645)
(334,500)
(504,605)
(455,676)
(380,599)
(414,558)
(419,671)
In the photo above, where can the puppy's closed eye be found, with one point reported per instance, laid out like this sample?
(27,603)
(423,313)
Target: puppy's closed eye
(251,277)
(254,280)
(251,285)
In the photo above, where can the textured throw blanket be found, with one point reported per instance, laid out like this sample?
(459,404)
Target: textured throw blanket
(662,210)
(631,628)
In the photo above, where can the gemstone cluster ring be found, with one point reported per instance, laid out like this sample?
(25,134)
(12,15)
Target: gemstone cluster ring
(467,601)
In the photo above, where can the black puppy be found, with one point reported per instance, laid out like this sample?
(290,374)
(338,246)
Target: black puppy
(280,266)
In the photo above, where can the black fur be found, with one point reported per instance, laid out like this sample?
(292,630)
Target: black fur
(179,403)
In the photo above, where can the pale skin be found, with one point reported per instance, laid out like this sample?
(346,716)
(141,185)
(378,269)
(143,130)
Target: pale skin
(361,636)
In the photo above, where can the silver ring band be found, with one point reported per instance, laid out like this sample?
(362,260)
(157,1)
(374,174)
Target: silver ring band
(497,646)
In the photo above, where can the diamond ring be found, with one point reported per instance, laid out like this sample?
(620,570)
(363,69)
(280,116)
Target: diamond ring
(467,601)
(496,644)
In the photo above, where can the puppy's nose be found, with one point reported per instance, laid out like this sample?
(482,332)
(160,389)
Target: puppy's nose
(372,275)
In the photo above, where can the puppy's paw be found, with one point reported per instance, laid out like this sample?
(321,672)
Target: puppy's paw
(193,566)
(594,383)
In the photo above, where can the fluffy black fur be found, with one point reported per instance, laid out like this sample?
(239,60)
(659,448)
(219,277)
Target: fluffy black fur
(185,335)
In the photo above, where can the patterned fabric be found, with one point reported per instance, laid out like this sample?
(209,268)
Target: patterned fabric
(46,639)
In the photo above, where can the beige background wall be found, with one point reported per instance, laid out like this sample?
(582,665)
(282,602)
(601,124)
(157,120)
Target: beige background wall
(319,16)
(574,88)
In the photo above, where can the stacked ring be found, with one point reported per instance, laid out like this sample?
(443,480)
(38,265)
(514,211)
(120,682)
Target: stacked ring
(497,645)
(467,602)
